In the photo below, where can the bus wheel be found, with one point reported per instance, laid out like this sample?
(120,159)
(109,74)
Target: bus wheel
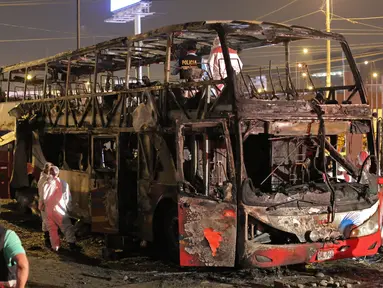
(108,254)
(166,235)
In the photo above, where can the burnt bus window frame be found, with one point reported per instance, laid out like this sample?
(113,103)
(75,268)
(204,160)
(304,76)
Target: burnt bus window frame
(46,148)
(111,137)
(85,152)
(180,127)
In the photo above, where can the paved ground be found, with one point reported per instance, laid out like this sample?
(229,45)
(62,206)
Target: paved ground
(141,271)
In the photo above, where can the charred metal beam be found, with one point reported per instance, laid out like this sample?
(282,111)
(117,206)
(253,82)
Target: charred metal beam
(340,159)
(231,160)
(287,64)
(232,86)
(60,112)
(82,119)
(94,89)
(66,113)
(45,81)
(378,144)
(128,64)
(67,93)
(99,112)
(178,104)
(280,83)
(135,90)
(272,83)
(74,116)
(48,113)
(112,113)
(67,78)
(124,116)
(180,154)
(168,59)
(254,90)
(260,78)
(164,94)
(9,84)
(25,82)
(86,130)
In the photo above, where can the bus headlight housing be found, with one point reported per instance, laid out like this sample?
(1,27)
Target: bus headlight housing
(369,227)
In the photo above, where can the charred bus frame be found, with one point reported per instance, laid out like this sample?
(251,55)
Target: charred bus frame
(212,233)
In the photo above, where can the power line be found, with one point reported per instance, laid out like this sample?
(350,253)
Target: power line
(298,52)
(34,28)
(47,39)
(364,34)
(365,18)
(35,3)
(277,10)
(32,4)
(356,29)
(319,62)
(303,16)
(356,22)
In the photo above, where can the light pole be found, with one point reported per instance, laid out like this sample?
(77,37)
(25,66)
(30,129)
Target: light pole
(298,68)
(137,30)
(135,11)
(328,44)
(344,76)
(375,76)
(78,24)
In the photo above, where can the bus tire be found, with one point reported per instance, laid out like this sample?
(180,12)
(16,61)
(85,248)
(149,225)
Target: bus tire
(108,254)
(166,239)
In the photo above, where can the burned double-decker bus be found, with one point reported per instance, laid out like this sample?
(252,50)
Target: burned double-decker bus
(235,164)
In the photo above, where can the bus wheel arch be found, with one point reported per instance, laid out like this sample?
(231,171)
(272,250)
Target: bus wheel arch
(165,230)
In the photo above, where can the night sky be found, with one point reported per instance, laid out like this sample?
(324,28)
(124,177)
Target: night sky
(60,18)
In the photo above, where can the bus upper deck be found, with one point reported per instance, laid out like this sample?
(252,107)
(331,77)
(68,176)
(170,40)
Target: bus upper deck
(87,87)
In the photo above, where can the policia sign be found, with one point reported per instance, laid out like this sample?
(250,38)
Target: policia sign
(187,62)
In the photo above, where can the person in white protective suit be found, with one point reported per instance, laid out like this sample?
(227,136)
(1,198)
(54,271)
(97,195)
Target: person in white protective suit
(57,200)
(43,179)
(216,63)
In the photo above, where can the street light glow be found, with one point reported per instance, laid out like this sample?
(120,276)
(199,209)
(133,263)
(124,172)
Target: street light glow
(260,90)
(366,62)
(305,50)
(310,87)
(375,75)
(300,65)
(304,75)
(29,77)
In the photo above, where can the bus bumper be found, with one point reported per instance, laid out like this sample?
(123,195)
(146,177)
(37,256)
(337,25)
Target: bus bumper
(266,255)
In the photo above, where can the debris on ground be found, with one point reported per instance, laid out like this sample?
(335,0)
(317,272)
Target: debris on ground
(137,269)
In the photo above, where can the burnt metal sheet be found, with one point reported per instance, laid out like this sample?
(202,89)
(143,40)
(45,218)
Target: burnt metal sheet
(79,183)
(303,220)
(261,255)
(7,138)
(268,110)
(7,122)
(308,128)
(207,231)
(104,209)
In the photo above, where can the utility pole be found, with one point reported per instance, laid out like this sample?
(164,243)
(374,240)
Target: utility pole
(78,24)
(328,29)
(137,30)
(129,13)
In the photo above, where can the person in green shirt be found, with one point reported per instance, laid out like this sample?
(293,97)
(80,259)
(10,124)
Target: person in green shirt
(14,265)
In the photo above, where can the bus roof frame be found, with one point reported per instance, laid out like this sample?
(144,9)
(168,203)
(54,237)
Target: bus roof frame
(250,34)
